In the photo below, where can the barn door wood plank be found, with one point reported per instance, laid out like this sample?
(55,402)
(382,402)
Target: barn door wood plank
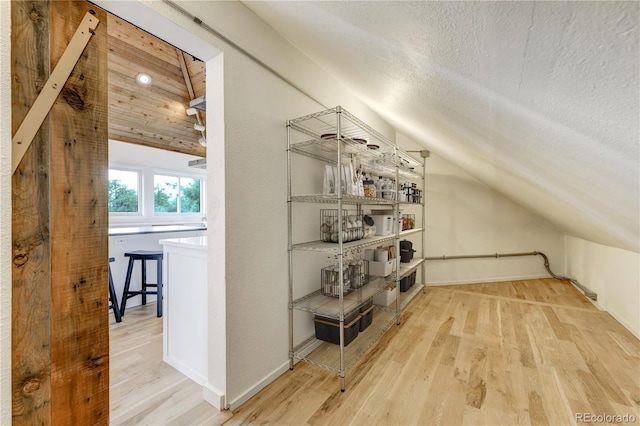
(79,224)
(31,292)
(40,108)
(60,344)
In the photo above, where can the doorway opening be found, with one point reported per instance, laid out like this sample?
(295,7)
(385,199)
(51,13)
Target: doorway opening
(164,147)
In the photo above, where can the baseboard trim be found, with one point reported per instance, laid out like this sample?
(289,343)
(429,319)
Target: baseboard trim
(192,374)
(245,396)
(485,280)
(213,396)
(307,350)
(621,320)
(597,304)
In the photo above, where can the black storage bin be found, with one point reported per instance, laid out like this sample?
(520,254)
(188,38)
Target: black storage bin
(328,329)
(405,283)
(366,305)
(413,278)
(366,318)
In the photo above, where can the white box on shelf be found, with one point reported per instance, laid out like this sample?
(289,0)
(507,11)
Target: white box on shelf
(383,223)
(370,255)
(387,297)
(381,269)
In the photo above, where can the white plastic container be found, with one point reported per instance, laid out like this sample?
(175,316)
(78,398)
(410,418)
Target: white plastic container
(370,255)
(387,297)
(381,255)
(387,212)
(384,224)
(381,269)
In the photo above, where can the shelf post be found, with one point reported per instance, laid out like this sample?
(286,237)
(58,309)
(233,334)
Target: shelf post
(423,267)
(340,247)
(290,244)
(397,239)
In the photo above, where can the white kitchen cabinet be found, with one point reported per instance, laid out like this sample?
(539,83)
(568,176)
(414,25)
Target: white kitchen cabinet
(185,319)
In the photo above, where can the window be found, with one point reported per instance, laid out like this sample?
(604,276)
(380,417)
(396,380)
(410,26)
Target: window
(124,191)
(189,195)
(176,194)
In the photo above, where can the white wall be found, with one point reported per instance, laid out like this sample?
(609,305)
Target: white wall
(237,23)
(5,214)
(257,106)
(215,388)
(613,273)
(467,217)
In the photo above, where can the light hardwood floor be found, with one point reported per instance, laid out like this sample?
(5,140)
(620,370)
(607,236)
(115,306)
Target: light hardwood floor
(521,352)
(144,390)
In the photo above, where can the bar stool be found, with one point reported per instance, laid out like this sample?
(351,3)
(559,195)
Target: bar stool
(143,255)
(112,295)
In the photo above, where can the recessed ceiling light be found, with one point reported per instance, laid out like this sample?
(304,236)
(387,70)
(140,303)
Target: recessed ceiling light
(143,79)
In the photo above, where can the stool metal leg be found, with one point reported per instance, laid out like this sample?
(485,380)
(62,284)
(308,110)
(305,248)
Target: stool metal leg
(159,288)
(143,256)
(114,299)
(144,282)
(127,282)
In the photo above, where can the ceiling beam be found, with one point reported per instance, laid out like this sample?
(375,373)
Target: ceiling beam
(187,81)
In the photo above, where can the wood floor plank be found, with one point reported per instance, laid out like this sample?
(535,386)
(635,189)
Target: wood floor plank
(521,352)
(144,390)
(555,402)
(515,353)
(433,407)
(471,321)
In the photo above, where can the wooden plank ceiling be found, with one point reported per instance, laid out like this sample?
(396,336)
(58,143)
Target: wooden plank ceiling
(153,115)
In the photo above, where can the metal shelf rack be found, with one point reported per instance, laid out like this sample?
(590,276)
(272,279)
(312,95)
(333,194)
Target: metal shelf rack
(319,304)
(349,138)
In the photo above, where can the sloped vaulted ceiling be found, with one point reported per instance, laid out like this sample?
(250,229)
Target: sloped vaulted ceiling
(151,115)
(538,99)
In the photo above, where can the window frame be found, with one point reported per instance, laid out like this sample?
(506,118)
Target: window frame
(179,213)
(140,172)
(146,214)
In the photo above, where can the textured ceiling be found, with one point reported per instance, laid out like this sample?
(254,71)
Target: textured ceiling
(540,100)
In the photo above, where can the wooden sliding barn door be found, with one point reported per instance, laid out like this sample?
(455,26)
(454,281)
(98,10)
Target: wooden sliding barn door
(60,340)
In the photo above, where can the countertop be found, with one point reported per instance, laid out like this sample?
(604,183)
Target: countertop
(154,229)
(199,243)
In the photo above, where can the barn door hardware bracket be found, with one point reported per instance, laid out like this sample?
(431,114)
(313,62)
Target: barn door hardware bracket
(52,88)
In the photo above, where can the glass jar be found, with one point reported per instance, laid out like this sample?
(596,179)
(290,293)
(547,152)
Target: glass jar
(369,188)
